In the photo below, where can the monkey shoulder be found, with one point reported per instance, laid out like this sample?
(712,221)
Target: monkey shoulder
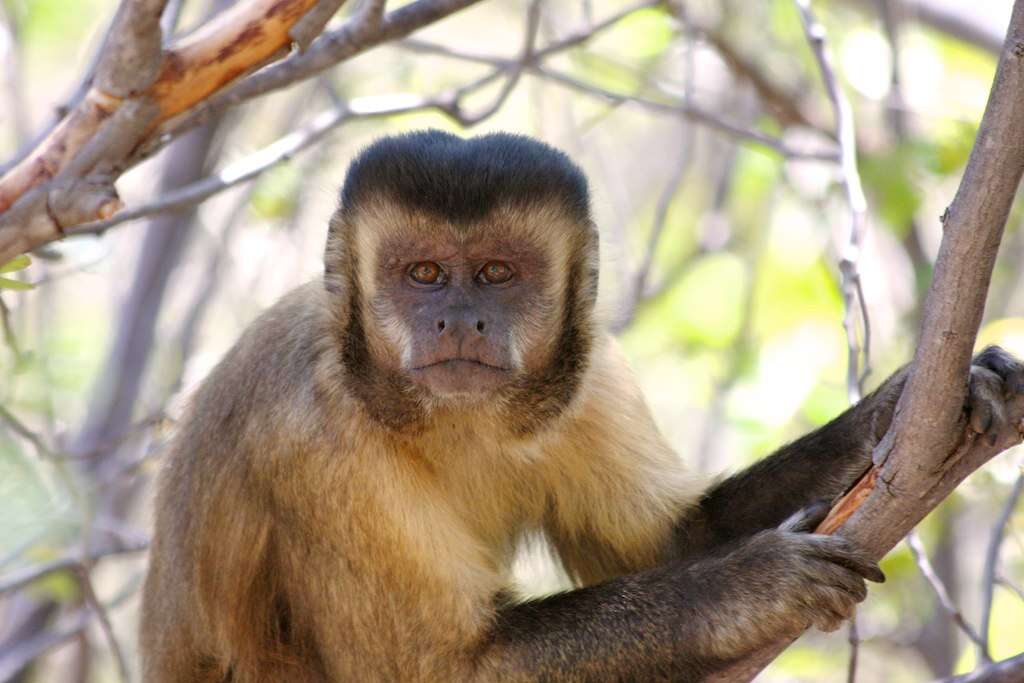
(273,387)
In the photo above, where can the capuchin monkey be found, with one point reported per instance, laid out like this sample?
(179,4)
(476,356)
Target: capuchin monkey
(345,497)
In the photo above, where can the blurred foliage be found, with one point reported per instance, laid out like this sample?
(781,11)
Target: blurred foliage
(18,263)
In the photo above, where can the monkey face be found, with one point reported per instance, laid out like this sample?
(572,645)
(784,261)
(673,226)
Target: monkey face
(458,307)
(459,270)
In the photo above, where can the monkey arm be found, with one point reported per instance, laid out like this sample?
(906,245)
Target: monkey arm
(683,620)
(827,462)
(821,465)
(636,627)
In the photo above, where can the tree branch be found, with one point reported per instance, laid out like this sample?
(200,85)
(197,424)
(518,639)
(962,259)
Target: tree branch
(67,179)
(1007,671)
(451,104)
(929,450)
(942,593)
(992,559)
(850,286)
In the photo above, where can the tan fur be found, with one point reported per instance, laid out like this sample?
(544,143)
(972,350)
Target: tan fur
(386,549)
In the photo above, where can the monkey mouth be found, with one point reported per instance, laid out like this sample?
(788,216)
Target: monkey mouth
(454,363)
(460,376)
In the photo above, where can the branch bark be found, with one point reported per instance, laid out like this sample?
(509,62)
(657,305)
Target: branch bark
(67,179)
(1007,671)
(929,450)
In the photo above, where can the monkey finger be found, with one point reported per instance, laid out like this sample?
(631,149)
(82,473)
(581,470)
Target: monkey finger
(980,417)
(827,611)
(827,622)
(1009,369)
(850,584)
(843,587)
(808,518)
(840,551)
(986,412)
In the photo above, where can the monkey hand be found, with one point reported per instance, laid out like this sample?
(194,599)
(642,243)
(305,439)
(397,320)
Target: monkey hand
(994,403)
(782,581)
(995,397)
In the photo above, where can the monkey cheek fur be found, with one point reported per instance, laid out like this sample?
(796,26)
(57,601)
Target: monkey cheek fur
(459,377)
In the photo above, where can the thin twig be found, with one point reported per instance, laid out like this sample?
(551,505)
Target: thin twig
(287,146)
(16,100)
(89,593)
(312,23)
(22,430)
(15,659)
(1007,671)
(10,338)
(515,71)
(641,276)
(354,37)
(850,256)
(689,110)
(1009,585)
(16,580)
(925,565)
(854,639)
(991,562)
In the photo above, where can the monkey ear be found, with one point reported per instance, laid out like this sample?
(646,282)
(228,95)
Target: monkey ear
(336,253)
(808,519)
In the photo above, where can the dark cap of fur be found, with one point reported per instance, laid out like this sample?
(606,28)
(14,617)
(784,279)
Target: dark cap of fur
(464,179)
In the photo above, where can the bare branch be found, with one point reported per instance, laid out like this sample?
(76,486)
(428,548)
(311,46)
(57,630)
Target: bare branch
(854,639)
(244,169)
(781,104)
(306,29)
(89,593)
(356,36)
(10,57)
(1010,586)
(939,588)
(13,581)
(955,20)
(1007,671)
(929,449)
(992,561)
(684,157)
(514,71)
(845,134)
(194,70)
(22,430)
(14,659)
(361,108)
(687,110)
(130,58)
(7,329)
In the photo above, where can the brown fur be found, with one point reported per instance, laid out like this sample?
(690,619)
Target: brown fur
(349,488)
(306,531)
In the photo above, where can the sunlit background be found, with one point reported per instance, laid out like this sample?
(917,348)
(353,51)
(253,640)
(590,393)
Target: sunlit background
(734,328)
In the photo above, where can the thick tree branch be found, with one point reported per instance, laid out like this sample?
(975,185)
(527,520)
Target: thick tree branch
(64,181)
(929,450)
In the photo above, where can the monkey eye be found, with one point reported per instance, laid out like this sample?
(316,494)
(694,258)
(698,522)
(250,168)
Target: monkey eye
(426,273)
(495,273)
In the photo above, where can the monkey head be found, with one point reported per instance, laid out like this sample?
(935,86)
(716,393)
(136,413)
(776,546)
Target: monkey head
(464,273)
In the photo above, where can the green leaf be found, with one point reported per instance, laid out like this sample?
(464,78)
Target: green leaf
(17,263)
(8,283)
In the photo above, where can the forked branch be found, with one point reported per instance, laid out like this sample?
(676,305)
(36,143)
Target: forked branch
(929,450)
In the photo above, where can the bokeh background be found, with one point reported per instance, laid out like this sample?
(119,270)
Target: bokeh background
(720,273)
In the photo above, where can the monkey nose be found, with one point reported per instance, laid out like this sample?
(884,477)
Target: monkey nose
(458,325)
